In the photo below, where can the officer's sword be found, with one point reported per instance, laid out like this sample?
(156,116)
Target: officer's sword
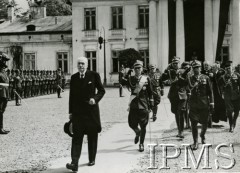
(61,88)
(21,99)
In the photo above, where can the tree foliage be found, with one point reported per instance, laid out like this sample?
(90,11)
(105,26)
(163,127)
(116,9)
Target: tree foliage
(128,57)
(4,9)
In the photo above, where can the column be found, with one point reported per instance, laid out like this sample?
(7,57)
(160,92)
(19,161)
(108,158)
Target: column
(235,32)
(216,13)
(180,33)
(208,31)
(153,55)
(163,34)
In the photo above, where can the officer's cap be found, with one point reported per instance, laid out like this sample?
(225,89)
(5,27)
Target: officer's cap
(196,64)
(185,64)
(4,57)
(228,64)
(59,69)
(152,66)
(176,60)
(138,63)
(68,128)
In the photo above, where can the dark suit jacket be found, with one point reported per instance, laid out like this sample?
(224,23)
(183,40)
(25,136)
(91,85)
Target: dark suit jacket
(85,116)
(4,89)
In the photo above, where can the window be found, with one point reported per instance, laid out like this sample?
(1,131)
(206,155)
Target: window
(224,54)
(29,61)
(92,61)
(62,58)
(117,18)
(90,18)
(145,57)
(143,12)
(115,62)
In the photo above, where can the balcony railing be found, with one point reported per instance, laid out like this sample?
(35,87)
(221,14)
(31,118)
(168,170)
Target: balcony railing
(90,33)
(117,33)
(143,32)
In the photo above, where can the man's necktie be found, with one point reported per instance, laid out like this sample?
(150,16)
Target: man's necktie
(82,76)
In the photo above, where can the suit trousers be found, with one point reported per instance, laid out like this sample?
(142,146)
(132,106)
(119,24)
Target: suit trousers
(77,140)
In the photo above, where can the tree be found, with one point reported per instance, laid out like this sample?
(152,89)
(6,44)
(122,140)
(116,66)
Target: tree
(128,57)
(56,7)
(4,9)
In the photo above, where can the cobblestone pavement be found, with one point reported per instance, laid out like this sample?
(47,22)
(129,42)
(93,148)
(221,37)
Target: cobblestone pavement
(37,135)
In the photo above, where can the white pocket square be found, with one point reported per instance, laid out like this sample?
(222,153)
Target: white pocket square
(89,82)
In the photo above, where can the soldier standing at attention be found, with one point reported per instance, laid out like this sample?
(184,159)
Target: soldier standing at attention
(11,87)
(158,89)
(200,102)
(63,81)
(141,101)
(18,87)
(4,94)
(230,86)
(59,83)
(23,83)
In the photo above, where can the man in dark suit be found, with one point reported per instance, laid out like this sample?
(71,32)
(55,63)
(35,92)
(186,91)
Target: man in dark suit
(84,111)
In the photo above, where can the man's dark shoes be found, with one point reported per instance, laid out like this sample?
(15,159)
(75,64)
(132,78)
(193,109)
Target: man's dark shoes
(141,147)
(71,166)
(194,146)
(231,129)
(137,137)
(180,135)
(203,139)
(4,132)
(154,118)
(91,163)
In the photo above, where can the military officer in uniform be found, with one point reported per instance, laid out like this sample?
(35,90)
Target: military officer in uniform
(230,86)
(59,83)
(200,103)
(158,88)
(4,94)
(141,101)
(18,87)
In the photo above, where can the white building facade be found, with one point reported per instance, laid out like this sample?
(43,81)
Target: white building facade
(145,26)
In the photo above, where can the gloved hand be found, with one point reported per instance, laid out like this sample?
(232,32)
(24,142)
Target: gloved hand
(162,92)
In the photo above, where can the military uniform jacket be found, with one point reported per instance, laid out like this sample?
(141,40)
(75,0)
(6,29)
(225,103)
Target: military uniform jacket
(170,74)
(156,80)
(141,92)
(230,86)
(201,92)
(59,80)
(179,88)
(17,82)
(4,83)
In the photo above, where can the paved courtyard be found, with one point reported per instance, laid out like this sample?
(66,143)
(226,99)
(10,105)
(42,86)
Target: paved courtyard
(37,142)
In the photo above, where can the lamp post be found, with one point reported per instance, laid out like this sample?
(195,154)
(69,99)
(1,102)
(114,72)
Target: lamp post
(103,41)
